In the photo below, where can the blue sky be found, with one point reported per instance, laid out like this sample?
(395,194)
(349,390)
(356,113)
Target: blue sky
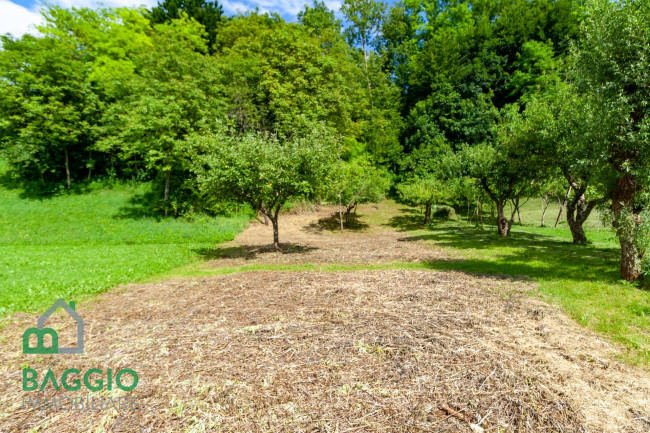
(19,16)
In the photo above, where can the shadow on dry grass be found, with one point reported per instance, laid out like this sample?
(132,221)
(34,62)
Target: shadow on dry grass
(333,223)
(251,252)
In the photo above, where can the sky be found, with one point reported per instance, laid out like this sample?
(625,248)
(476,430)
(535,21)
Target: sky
(19,16)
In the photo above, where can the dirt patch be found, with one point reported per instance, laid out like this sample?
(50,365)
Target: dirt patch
(314,237)
(383,350)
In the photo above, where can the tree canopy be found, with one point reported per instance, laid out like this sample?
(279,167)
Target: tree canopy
(474,100)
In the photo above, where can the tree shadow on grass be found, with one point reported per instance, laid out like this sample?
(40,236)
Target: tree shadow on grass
(141,205)
(333,224)
(411,219)
(406,223)
(534,255)
(35,190)
(250,252)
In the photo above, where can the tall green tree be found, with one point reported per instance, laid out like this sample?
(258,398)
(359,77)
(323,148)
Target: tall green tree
(174,93)
(208,13)
(365,22)
(614,67)
(47,108)
(280,78)
(565,127)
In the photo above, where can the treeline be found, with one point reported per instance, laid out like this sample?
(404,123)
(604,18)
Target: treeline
(124,92)
(457,102)
(535,99)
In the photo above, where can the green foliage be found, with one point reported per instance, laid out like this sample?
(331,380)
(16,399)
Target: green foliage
(207,13)
(47,107)
(424,191)
(109,39)
(445,212)
(613,66)
(174,93)
(264,170)
(278,79)
(365,16)
(318,19)
(357,182)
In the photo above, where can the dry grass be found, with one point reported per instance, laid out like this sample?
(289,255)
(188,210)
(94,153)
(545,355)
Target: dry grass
(384,350)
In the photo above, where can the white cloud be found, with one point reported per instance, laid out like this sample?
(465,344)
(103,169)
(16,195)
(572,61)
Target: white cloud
(233,7)
(287,8)
(17,20)
(104,3)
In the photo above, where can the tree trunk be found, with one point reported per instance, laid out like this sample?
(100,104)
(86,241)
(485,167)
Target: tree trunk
(559,215)
(67,167)
(626,219)
(576,214)
(480,213)
(577,232)
(503,226)
(166,195)
(276,233)
(545,201)
(469,218)
(90,164)
(427,213)
(340,212)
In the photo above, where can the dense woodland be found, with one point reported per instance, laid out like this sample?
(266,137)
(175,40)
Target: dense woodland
(478,103)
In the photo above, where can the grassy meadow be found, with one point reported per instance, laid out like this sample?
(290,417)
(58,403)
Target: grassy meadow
(74,245)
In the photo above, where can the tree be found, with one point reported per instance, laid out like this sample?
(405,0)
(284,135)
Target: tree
(613,65)
(47,108)
(207,13)
(365,18)
(504,168)
(424,191)
(264,170)
(318,19)
(279,78)
(552,187)
(564,127)
(174,93)
(357,182)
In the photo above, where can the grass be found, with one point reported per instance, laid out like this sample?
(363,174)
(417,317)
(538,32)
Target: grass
(583,279)
(75,245)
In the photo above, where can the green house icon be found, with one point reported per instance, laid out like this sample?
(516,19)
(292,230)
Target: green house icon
(40,331)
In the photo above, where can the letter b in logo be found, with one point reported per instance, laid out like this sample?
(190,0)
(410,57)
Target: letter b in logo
(40,344)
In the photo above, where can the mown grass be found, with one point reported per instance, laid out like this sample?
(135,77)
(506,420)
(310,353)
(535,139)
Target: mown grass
(75,245)
(583,279)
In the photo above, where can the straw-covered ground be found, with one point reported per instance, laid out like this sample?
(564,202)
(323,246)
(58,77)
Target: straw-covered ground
(334,351)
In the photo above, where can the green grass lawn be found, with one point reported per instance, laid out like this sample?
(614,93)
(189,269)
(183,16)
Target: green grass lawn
(71,246)
(583,279)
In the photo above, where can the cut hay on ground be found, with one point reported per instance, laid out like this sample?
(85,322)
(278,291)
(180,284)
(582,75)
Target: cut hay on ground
(375,351)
